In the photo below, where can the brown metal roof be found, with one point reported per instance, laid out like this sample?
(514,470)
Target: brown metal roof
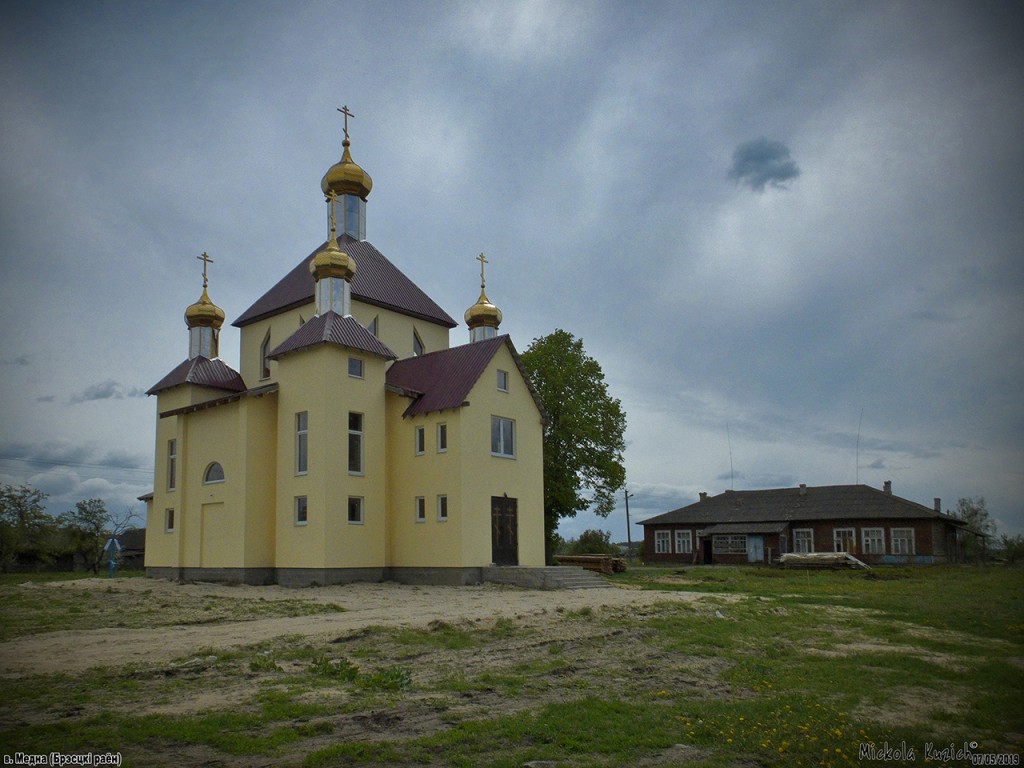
(377,282)
(332,328)
(827,502)
(441,380)
(203,372)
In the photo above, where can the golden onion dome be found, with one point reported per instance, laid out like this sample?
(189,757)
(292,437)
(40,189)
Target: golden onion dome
(345,177)
(483,313)
(204,313)
(331,261)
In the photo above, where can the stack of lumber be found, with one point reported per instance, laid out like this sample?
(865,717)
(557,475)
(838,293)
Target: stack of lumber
(596,563)
(822,560)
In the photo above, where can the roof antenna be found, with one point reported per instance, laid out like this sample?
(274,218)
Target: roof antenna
(857,468)
(732,476)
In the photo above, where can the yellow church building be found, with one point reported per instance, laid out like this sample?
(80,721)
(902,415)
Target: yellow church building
(355,444)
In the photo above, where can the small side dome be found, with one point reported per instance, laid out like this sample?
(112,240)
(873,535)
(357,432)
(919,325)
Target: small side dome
(204,313)
(331,261)
(483,313)
(346,178)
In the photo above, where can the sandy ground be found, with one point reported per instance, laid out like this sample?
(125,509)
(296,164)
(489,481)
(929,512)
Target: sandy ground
(365,605)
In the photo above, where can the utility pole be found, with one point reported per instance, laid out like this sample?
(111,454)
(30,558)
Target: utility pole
(629,536)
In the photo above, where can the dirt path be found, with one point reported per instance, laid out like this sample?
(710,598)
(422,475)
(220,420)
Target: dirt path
(364,605)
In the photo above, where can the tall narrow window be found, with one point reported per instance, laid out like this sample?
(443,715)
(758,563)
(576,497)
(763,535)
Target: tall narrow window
(442,508)
(803,540)
(872,541)
(421,509)
(843,539)
(301,443)
(420,440)
(355,510)
(503,381)
(355,443)
(264,359)
(684,542)
(373,326)
(502,437)
(662,542)
(301,510)
(417,344)
(442,438)
(169,520)
(172,464)
(902,541)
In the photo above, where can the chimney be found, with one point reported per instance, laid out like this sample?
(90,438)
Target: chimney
(887,486)
(938,504)
(703,495)
(803,489)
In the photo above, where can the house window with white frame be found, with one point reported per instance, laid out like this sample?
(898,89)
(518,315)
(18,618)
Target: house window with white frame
(803,540)
(355,510)
(502,381)
(420,440)
(442,508)
(902,541)
(442,438)
(872,541)
(169,520)
(663,542)
(729,543)
(684,542)
(843,539)
(355,443)
(301,442)
(172,464)
(503,437)
(421,509)
(301,510)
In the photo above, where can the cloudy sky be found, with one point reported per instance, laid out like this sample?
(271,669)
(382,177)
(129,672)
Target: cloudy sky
(791,233)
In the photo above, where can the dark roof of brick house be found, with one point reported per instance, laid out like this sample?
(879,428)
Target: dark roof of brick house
(332,328)
(441,380)
(203,372)
(377,281)
(782,505)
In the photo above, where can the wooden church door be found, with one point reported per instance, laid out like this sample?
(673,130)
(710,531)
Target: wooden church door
(504,531)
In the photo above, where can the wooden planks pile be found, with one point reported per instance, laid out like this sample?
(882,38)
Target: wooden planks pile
(596,563)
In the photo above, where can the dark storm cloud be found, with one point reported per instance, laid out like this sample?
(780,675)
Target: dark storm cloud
(20,360)
(760,163)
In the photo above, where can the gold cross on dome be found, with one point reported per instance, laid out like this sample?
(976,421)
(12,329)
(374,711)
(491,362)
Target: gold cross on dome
(206,260)
(347,114)
(483,260)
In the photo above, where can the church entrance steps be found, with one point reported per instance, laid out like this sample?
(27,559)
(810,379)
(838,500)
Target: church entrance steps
(552,577)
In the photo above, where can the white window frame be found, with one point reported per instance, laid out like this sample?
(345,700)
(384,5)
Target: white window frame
(355,367)
(502,380)
(421,509)
(302,442)
(442,437)
(442,508)
(683,541)
(420,440)
(172,465)
(498,430)
(301,510)
(837,539)
(729,543)
(876,537)
(899,538)
(354,432)
(358,508)
(803,544)
(169,520)
(663,542)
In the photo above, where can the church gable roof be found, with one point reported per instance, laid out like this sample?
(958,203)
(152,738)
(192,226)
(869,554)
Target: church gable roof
(827,502)
(441,380)
(377,281)
(332,328)
(203,372)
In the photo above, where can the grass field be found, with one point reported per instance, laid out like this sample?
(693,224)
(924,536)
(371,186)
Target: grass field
(765,667)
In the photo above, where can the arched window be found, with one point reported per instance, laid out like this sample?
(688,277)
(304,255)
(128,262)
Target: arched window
(214,473)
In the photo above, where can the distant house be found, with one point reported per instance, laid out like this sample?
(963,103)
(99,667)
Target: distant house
(759,526)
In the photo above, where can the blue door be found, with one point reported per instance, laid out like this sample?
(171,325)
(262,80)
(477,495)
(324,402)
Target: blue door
(755,549)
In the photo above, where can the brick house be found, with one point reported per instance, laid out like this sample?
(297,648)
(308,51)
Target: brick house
(759,526)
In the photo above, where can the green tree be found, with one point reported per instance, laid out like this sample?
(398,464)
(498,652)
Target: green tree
(25,528)
(593,542)
(583,436)
(87,528)
(973,511)
(1013,547)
